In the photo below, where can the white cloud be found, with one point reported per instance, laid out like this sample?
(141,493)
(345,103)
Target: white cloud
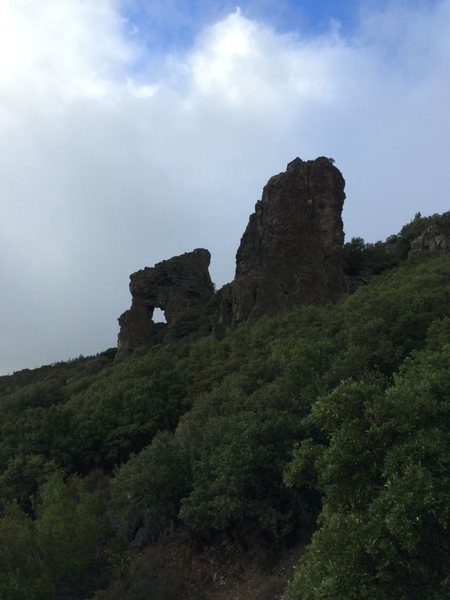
(104,170)
(249,66)
(61,40)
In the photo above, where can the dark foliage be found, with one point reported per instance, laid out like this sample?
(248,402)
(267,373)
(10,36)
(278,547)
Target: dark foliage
(330,418)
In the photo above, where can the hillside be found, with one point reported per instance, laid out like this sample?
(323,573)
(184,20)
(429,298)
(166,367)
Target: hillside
(191,468)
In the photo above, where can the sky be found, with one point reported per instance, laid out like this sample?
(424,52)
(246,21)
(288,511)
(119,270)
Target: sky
(132,131)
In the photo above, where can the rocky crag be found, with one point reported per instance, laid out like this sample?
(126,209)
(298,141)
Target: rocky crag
(433,240)
(290,255)
(177,286)
(291,251)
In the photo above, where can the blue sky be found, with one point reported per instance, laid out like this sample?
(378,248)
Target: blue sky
(132,131)
(172,25)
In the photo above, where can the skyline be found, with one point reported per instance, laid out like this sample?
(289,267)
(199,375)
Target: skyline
(133,131)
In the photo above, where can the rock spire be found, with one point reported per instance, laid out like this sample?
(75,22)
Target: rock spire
(291,252)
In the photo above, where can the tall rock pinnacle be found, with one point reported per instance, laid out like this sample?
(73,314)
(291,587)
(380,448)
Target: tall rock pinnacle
(291,251)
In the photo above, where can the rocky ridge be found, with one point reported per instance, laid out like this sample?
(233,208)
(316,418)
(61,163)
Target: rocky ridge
(291,254)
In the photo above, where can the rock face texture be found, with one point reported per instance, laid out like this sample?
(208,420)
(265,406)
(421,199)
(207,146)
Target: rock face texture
(291,251)
(177,286)
(433,240)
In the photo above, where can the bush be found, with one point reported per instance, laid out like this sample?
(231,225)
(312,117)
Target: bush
(386,485)
(59,553)
(148,489)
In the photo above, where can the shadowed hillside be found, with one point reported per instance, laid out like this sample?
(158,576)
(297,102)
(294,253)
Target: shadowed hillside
(331,419)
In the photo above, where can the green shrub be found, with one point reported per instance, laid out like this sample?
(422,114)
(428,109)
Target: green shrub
(385,478)
(150,486)
(57,554)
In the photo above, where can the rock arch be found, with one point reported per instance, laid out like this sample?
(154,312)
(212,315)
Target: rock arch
(176,286)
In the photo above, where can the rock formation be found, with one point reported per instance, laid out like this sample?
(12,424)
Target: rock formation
(434,240)
(291,251)
(290,255)
(177,286)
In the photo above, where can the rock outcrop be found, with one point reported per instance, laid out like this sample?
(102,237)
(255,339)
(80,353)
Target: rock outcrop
(434,240)
(177,286)
(290,255)
(291,251)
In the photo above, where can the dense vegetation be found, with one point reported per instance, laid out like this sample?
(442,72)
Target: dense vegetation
(332,420)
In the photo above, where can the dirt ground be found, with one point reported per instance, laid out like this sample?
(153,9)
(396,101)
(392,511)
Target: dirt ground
(224,571)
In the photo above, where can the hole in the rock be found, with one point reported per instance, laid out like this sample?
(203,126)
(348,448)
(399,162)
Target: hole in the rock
(159,316)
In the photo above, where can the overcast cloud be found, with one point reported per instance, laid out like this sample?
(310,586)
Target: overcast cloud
(113,158)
